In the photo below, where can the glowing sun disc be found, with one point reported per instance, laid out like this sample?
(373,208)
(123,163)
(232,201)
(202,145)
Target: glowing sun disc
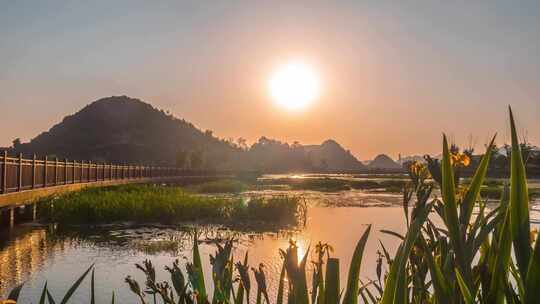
(294,86)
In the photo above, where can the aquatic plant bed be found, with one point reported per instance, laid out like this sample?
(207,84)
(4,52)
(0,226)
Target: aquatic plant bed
(219,186)
(151,203)
(336,184)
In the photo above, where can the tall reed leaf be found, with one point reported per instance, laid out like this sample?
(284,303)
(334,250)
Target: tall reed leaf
(75,285)
(245,283)
(450,212)
(440,284)
(92,289)
(281,286)
(300,287)
(43,294)
(532,282)
(471,196)
(239,298)
(397,269)
(15,292)
(331,295)
(465,292)
(50,298)
(351,294)
(198,270)
(519,204)
(502,262)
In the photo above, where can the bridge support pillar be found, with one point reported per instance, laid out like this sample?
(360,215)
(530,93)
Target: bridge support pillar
(34,212)
(26,213)
(11,217)
(3,218)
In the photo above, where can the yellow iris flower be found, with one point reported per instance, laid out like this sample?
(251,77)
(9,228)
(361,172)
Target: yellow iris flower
(460,160)
(419,169)
(534,232)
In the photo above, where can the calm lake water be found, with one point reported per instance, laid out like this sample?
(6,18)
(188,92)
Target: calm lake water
(36,254)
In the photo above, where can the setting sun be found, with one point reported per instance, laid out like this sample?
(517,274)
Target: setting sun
(294,86)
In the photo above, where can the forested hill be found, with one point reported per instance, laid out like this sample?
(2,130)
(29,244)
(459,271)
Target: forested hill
(117,129)
(123,129)
(332,156)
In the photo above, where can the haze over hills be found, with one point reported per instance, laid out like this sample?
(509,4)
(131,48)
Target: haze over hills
(383,161)
(123,129)
(332,155)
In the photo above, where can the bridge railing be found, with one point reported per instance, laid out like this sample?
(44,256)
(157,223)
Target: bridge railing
(18,173)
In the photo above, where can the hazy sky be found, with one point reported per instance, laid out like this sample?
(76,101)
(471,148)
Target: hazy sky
(395,74)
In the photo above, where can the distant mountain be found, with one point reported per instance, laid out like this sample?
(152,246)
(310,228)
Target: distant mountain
(119,128)
(332,156)
(123,129)
(270,155)
(383,161)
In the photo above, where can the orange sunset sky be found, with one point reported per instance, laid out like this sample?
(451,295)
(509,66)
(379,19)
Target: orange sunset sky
(393,75)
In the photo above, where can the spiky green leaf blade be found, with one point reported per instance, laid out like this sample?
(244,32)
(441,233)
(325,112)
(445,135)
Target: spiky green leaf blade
(363,295)
(532,282)
(92,289)
(50,298)
(239,298)
(15,292)
(519,282)
(300,285)
(351,293)
(401,288)
(440,284)
(451,213)
(501,263)
(201,288)
(43,294)
(112,299)
(281,285)
(393,233)
(321,287)
(75,285)
(364,288)
(397,269)
(519,203)
(259,297)
(471,196)
(332,281)
(465,292)
(484,233)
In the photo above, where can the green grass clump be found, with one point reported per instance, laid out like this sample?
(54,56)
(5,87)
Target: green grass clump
(336,184)
(315,184)
(220,186)
(145,203)
(320,184)
(390,185)
(154,247)
(282,208)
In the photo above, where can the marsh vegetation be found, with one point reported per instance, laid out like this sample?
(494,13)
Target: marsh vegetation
(168,205)
(456,249)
